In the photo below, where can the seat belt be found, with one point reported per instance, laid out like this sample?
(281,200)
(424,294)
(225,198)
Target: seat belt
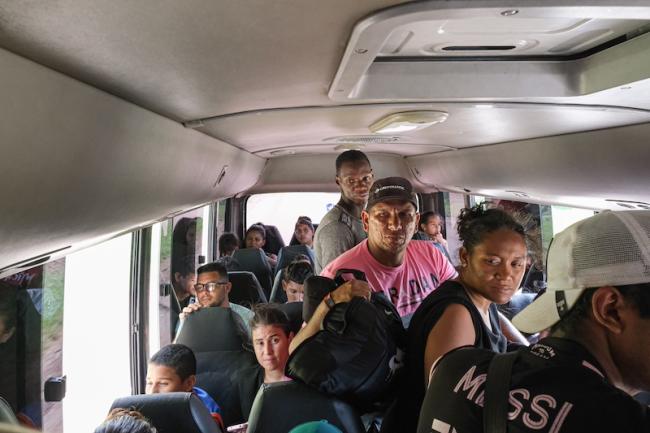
(497,386)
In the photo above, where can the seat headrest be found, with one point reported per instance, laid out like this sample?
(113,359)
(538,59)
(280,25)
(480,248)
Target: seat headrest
(316,287)
(293,310)
(246,290)
(172,412)
(213,329)
(281,406)
(6,413)
(287,254)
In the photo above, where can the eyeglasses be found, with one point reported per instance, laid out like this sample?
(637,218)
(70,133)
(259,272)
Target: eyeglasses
(210,287)
(352,181)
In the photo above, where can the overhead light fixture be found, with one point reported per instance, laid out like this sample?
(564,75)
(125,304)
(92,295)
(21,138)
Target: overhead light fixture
(407,121)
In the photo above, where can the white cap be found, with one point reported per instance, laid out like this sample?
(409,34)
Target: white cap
(608,249)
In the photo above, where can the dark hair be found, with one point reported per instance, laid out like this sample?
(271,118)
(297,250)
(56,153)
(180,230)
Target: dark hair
(476,222)
(298,271)
(350,156)
(184,265)
(305,221)
(269,314)
(176,356)
(637,294)
(426,216)
(228,242)
(121,420)
(181,228)
(217,267)
(257,227)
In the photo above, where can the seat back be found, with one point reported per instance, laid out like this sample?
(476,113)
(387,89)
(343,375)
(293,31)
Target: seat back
(287,254)
(281,406)
(274,241)
(213,329)
(253,260)
(293,310)
(277,293)
(172,412)
(246,290)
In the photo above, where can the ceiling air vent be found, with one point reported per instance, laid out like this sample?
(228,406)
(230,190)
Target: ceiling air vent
(364,139)
(426,51)
(629,204)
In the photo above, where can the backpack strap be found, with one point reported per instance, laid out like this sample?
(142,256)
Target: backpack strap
(497,386)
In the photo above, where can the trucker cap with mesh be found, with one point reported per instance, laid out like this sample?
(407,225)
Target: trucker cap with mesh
(608,249)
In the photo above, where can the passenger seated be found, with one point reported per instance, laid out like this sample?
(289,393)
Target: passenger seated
(293,281)
(431,226)
(173,369)
(271,338)
(228,244)
(462,312)
(121,420)
(303,233)
(212,290)
(256,238)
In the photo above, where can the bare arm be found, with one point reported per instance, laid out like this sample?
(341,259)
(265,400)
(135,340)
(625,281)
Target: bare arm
(454,329)
(512,334)
(343,293)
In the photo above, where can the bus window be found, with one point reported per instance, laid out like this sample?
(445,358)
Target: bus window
(31,331)
(283,209)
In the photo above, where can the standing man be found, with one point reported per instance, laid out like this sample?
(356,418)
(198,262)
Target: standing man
(341,228)
(405,271)
(581,378)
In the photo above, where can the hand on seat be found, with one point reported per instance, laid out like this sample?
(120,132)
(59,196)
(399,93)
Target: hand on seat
(189,310)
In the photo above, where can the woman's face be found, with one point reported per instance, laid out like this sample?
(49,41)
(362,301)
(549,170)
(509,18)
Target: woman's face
(495,267)
(432,227)
(304,234)
(271,347)
(254,239)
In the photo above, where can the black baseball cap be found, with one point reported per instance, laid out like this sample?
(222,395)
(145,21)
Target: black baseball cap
(391,188)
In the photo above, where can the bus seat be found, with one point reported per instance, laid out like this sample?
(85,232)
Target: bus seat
(274,241)
(316,287)
(220,374)
(254,260)
(172,412)
(281,406)
(246,290)
(287,254)
(213,329)
(6,413)
(15,428)
(293,310)
(277,293)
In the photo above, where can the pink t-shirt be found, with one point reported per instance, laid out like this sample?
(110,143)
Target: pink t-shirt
(423,270)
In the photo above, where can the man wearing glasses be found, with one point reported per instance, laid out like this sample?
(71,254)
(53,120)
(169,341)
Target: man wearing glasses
(212,288)
(341,228)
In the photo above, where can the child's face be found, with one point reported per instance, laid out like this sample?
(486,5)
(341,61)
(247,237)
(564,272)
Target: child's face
(162,379)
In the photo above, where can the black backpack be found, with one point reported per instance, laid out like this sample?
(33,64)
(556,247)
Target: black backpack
(357,354)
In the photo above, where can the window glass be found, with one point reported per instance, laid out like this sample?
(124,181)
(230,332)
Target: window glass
(96,342)
(31,313)
(563,217)
(283,209)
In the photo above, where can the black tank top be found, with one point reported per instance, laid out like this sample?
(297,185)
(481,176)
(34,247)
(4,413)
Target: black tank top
(424,319)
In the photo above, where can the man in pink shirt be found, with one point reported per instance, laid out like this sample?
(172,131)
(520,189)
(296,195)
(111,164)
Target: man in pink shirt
(406,271)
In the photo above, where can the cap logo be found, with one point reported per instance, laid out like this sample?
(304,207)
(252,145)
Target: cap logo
(381,188)
(560,303)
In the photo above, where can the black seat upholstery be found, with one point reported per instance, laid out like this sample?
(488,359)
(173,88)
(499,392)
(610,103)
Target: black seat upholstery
(274,241)
(287,254)
(213,329)
(221,346)
(246,290)
(172,412)
(293,310)
(254,260)
(281,406)
(277,293)
(316,287)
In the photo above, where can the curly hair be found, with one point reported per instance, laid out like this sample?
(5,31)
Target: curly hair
(121,420)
